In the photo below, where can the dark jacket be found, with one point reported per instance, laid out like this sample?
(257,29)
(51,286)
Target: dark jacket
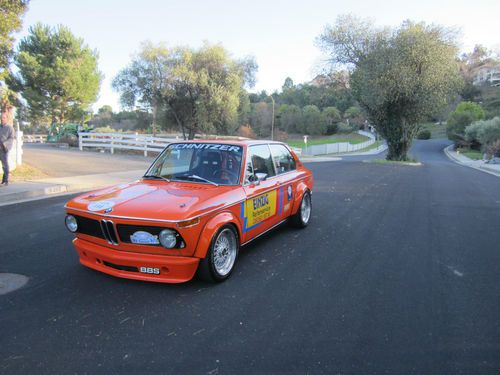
(6,138)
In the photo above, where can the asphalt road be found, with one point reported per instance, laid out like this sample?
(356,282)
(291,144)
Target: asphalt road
(398,273)
(58,162)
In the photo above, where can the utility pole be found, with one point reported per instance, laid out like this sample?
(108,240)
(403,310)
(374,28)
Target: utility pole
(272,120)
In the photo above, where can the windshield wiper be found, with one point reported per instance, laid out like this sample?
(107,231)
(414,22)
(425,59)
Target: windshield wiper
(155,177)
(193,176)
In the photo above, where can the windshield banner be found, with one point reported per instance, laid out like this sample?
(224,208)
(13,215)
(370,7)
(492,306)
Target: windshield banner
(205,146)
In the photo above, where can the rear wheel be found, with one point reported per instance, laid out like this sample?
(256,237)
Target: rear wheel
(303,216)
(221,256)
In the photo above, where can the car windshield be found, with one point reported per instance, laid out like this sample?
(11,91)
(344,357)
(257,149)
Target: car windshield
(206,163)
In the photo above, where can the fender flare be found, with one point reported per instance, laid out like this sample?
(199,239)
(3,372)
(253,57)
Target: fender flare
(211,228)
(299,192)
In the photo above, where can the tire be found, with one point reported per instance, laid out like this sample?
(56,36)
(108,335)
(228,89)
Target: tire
(303,216)
(221,257)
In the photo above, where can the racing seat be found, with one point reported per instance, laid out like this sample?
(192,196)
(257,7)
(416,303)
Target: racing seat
(211,162)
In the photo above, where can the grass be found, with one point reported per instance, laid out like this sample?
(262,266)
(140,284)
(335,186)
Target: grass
(471,154)
(437,131)
(352,138)
(26,172)
(394,162)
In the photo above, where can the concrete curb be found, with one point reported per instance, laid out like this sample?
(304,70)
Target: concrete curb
(32,194)
(466,162)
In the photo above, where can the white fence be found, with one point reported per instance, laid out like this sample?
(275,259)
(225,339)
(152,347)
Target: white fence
(337,148)
(15,156)
(113,141)
(35,138)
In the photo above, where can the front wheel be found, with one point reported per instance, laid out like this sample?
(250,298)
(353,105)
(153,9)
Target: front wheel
(303,216)
(221,256)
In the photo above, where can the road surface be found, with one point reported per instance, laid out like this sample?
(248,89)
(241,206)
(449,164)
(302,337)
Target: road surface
(398,273)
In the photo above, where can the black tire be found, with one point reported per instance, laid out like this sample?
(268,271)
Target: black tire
(216,266)
(303,216)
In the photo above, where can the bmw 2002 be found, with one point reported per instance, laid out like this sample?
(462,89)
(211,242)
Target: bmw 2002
(191,211)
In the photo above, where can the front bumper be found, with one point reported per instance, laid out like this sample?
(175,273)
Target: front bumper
(173,269)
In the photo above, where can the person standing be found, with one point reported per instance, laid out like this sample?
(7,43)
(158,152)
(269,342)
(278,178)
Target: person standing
(6,142)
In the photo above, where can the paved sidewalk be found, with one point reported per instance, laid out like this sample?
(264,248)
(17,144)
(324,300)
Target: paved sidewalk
(22,191)
(481,165)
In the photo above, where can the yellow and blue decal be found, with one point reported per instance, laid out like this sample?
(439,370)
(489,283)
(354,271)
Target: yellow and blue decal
(256,210)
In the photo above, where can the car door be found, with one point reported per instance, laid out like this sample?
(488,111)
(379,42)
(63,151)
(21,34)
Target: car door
(260,210)
(286,177)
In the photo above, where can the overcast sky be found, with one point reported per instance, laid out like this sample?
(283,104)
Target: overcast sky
(279,34)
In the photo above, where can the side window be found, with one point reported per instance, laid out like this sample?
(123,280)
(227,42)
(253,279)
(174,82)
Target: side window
(283,159)
(262,161)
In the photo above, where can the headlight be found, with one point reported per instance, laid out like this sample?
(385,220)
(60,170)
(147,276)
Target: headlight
(71,223)
(168,238)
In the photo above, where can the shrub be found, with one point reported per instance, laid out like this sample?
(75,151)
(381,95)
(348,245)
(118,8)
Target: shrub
(424,134)
(342,127)
(464,115)
(246,131)
(104,129)
(483,132)
(493,149)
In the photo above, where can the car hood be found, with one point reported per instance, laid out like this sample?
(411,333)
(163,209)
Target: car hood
(157,200)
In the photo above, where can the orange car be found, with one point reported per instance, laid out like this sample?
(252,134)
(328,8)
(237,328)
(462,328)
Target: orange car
(192,210)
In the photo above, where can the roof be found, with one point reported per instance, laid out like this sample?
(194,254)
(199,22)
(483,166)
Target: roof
(242,142)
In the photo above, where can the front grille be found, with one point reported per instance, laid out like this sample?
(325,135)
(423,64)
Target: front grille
(108,229)
(89,227)
(104,229)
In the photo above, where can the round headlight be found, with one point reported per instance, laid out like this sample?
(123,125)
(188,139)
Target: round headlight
(71,223)
(168,238)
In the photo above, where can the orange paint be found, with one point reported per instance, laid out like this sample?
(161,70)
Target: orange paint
(111,219)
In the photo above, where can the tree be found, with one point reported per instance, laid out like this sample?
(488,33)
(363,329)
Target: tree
(12,12)
(290,118)
(199,88)
(399,78)
(332,117)
(465,114)
(288,84)
(260,118)
(58,74)
(313,122)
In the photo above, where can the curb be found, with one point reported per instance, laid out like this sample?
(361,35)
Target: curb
(482,168)
(26,195)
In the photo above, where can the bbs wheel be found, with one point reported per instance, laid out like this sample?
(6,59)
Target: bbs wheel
(303,216)
(221,256)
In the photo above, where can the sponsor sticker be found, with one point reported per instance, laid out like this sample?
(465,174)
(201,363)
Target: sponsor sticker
(100,205)
(144,238)
(260,208)
(290,193)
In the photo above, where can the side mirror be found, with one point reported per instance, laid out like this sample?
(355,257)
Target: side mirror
(261,176)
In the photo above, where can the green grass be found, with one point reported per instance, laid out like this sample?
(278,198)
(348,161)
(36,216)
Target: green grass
(471,154)
(437,131)
(352,138)
(393,162)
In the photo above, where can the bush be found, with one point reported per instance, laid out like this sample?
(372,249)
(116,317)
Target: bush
(464,115)
(493,149)
(332,129)
(246,131)
(104,129)
(424,134)
(483,132)
(342,127)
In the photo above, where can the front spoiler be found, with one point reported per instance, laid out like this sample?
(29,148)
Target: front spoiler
(173,269)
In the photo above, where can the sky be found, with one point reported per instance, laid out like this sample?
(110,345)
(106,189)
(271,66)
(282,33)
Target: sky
(279,34)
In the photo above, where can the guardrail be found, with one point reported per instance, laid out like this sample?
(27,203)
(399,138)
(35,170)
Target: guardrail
(35,138)
(341,147)
(112,141)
